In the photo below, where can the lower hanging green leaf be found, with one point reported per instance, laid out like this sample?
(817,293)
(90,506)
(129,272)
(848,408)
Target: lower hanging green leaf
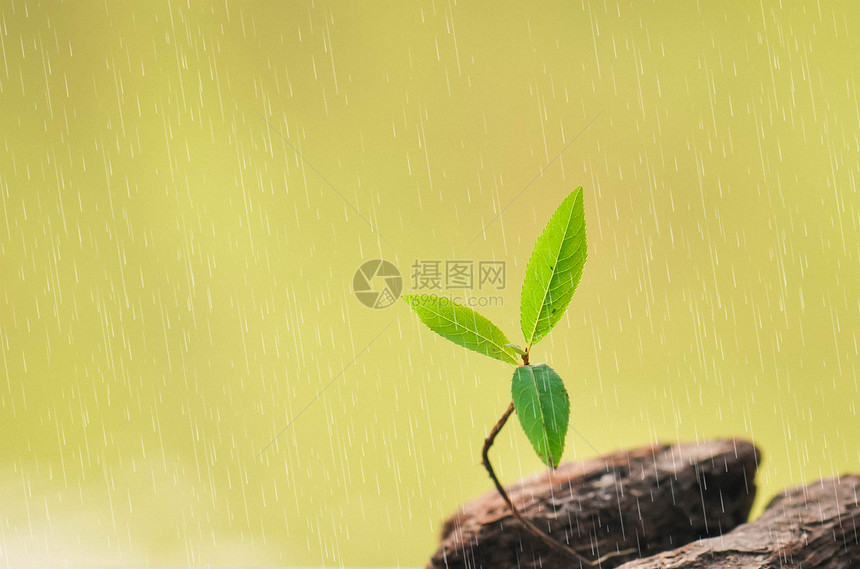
(543,409)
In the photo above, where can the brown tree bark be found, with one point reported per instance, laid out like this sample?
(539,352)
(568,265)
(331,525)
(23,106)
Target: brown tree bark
(648,500)
(809,527)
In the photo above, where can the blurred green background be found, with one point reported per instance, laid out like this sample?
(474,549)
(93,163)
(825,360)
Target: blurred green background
(176,280)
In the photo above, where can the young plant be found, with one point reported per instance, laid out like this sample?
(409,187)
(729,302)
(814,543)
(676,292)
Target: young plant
(538,393)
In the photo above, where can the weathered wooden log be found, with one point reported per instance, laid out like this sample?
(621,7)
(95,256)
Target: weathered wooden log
(646,500)
(809,527)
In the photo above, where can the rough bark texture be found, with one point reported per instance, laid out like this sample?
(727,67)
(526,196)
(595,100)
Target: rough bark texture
(648,500)
(810,527)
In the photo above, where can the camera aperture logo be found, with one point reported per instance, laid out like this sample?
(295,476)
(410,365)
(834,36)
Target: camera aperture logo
(377,284)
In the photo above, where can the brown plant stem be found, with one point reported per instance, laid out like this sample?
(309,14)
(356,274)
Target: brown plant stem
(533,529)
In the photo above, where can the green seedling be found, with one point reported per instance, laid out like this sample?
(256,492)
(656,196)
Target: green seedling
(552,275)
(537,392)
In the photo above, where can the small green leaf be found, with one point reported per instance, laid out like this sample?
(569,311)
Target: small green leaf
(554,269)
(543,409)
(462,325)
(516,348)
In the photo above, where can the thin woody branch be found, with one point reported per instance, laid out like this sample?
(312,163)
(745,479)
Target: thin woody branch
(533,529)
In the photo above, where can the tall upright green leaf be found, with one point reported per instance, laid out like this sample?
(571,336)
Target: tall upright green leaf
(554,269)
(543,409)
(462,325)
